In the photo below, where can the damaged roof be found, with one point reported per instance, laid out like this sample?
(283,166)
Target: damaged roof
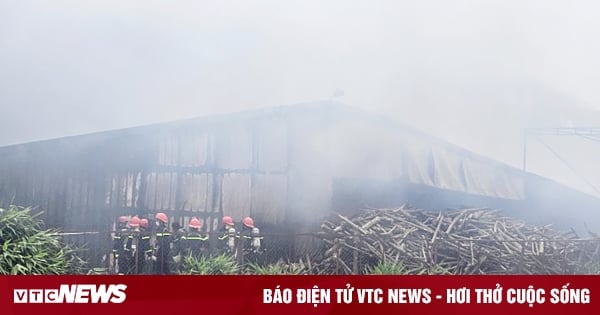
(425,159)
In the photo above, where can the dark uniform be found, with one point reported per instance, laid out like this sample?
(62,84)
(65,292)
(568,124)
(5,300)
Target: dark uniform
(178,247)
(195,243)
(162,250)
(144,250)
(120,252)
(249,253)
(132,251)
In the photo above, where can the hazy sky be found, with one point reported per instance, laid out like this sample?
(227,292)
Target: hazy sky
(472,72)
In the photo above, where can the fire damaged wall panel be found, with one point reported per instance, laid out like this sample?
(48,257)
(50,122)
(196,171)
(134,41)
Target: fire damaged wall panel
(133,182)
(166,184)
(168,150)
(39,187)
(161,191)
(196,192)
(108,190)
(72,196)
(59,196)
(120,187)
(212,222)
(97,208)
(42,193)
(272,146)
(150,193)
(269,197)
(76,202)
(234,148)
(193,149)
(236,195)
(25,182)
(53,210)
(113,191)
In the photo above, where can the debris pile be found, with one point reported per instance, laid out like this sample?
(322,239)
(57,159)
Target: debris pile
(465,241)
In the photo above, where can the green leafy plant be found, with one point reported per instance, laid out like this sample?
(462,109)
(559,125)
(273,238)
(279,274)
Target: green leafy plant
(387,268)
(28,249)
(278,268)
(217,265)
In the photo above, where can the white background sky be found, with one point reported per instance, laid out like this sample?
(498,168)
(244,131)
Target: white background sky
(474,73)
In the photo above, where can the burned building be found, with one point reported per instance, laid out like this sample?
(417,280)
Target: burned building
(287,167)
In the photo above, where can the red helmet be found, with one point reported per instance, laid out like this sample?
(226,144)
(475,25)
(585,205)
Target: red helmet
(144,223)
(123,219)
(134,222)
(195,223)
(161,217)
(248,222)
(227,220)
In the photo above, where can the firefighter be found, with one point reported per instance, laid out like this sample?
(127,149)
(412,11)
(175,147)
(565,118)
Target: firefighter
(133,240)
(144,247)
(227,239)
(195,242)
(162,246)
(178,247)
(120,253)
(250,240)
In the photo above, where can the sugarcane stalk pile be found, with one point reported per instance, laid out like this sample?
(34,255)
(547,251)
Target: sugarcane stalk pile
(465,241)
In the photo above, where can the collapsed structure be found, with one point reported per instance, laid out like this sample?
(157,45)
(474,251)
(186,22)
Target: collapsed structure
(288,167)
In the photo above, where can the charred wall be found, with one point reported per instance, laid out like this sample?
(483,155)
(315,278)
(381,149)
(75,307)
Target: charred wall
(205,169)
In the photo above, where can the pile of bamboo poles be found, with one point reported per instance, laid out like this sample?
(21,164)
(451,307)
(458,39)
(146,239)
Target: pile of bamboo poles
(465,241)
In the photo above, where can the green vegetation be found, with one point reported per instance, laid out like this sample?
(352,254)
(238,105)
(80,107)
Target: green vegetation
(29,249)
(217,265)
(278,268)
(387,268)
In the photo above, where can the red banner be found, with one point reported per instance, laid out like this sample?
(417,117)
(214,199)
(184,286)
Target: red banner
(300,294)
